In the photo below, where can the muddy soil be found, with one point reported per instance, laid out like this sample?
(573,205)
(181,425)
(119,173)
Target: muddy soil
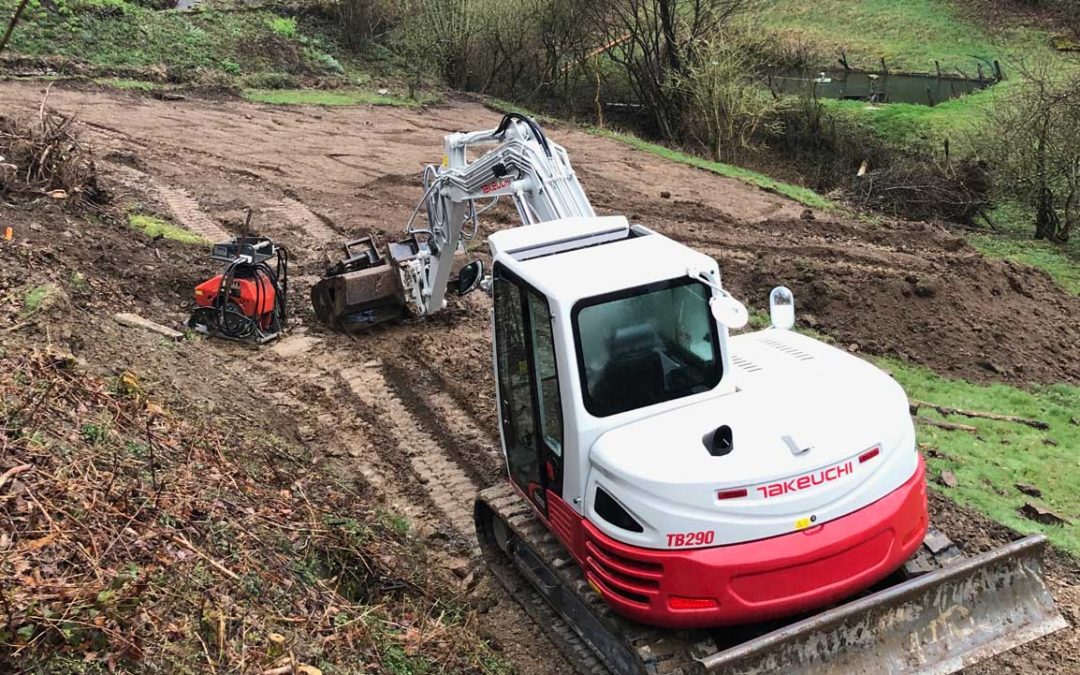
(409,409)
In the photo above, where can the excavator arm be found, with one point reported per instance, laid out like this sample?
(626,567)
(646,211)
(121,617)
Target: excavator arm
(523,165)
(518,162)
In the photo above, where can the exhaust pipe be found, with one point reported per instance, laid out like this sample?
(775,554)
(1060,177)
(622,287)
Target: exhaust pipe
(937,623)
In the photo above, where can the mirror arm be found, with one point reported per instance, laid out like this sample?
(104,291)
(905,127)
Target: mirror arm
(705,278)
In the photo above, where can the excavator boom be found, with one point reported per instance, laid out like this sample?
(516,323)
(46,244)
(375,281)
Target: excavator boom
(519,162)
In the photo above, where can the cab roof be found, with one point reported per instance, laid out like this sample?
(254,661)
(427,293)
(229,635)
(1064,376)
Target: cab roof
(576,258)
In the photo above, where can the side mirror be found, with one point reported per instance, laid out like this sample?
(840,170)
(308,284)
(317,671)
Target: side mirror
(469,277)
(728,311)
(782,308)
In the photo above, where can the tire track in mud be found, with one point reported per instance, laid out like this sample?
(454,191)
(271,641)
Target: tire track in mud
(299,363)
(185,209)
(444,417)
(296,213)
(188,212)
(448,484)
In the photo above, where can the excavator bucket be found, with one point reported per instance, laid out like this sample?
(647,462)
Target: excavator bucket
(359,291)
(936,623)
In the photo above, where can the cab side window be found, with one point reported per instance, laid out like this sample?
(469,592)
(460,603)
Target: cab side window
(515,383)
(551,421)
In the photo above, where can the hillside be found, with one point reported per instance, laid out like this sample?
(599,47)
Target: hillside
(391,434)
(188,505)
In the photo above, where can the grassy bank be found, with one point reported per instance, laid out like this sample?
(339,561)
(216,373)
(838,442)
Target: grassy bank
(797,193)
(331,97)
(1013,241)
(989,464)
(130,46)
(911,125)
(910,35)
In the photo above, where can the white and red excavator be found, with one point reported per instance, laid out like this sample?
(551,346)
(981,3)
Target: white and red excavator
(679,498)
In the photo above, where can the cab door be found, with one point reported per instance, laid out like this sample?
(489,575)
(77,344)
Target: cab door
(530,407)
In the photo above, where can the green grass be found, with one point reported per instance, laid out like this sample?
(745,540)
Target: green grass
(1015,242)
(156,227)
(123,83)
(328,97)
(988,464)
(910,35)
(37,297)
(284,26)
(180,46)
(795,192)
(910,124)
(1061,263)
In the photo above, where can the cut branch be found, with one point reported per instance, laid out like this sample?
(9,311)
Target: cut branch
(948,426)
(946,411)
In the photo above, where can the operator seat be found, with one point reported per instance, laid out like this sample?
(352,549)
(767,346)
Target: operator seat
(634,374)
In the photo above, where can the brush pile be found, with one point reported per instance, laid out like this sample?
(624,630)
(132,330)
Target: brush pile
(137,539)
(916,189)
(42,157)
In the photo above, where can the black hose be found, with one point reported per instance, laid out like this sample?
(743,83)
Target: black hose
(529,122)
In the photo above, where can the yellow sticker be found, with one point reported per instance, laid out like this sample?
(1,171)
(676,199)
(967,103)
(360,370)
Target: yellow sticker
(802,523)
(445,161)
(595,587)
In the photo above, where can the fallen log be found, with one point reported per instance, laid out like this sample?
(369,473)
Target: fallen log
(915,404)
(136,321)
(948,426)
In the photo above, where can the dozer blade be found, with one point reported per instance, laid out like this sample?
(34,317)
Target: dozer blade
(936,623)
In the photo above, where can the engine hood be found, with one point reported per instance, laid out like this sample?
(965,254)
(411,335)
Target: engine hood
(816,434)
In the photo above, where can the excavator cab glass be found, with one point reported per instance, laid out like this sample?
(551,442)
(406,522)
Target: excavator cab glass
(646,345)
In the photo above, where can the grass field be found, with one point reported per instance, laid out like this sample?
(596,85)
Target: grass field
(990,463)
(909,124)
(202,46)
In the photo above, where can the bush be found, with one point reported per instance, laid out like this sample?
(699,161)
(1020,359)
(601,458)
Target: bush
(364,21)
(1033,140)
(727,110)
(523,49)
(915,188)
(271,81)
(44,158)
(283,26)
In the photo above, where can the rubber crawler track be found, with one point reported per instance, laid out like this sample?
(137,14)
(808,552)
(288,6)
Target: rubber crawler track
(657,652)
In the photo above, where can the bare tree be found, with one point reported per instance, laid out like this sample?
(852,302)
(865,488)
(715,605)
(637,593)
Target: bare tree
(656,41)
(728,109)
(1034,143)
(11,24)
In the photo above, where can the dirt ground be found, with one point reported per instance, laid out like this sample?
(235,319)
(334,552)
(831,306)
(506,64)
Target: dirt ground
(410,407)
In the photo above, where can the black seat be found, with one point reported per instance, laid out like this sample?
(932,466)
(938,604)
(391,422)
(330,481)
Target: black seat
(634,375)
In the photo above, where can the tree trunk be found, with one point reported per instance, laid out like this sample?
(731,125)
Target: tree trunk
(11,24)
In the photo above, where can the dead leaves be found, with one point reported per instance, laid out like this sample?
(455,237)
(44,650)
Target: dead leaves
(138,530)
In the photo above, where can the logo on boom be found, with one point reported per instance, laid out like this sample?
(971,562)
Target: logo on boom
(497,185)
(806,481)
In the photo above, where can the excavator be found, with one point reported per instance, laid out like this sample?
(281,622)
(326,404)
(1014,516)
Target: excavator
(683,495)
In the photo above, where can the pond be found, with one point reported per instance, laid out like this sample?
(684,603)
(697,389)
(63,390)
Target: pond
(877,87)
